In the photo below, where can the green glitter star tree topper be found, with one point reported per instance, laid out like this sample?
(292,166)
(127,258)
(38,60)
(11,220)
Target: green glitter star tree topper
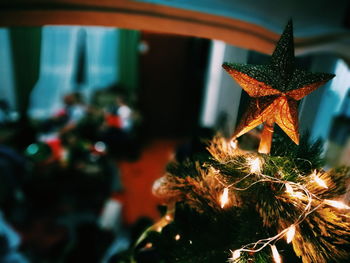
(275,89)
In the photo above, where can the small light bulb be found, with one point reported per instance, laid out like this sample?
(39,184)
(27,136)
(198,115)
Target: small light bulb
(290,233)
(177,237)
(233,144)
(255,165)
(149,245)
(318,180)
(168,217)
(275,254)
(236,254)
(298,195)
(337,204)
(289,189)
(224,197)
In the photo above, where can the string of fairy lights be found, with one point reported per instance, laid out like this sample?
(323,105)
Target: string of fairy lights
(254,165)
(294,190)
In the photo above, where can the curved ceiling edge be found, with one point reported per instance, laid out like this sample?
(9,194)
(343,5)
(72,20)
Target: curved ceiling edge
(163,19)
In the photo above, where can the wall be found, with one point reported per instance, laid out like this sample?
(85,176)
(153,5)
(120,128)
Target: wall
(222,94)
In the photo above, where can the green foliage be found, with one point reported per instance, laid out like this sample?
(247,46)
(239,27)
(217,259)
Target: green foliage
(205,237)
(259,207)
(307,155)
(260,257)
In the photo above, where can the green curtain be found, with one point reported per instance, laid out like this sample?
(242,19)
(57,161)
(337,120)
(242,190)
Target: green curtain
(129,59)
(26,46)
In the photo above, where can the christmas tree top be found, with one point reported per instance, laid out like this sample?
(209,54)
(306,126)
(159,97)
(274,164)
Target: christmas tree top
(231,205)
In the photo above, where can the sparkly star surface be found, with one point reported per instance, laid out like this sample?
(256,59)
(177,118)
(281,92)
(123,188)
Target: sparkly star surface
(275,88)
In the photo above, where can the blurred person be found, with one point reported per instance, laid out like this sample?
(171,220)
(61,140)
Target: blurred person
(119,114)
(118,130)
(65,119)
(89,126)
(125,113)
(74,111)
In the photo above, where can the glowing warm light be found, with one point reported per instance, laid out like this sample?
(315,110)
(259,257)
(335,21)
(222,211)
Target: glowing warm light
(255,165)
(236,254)
(289,189)
(233,144)
(275,254)
(319,181)
(224,198)
(149,245)
(290,233)
(191,242)
(163,222)
(298,195)
(337,204)
(177,237)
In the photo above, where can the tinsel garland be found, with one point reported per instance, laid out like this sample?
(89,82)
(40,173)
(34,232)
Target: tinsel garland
(286,194)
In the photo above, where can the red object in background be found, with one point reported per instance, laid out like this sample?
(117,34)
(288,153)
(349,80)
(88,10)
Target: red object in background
(138,178)
(113,120)
(61,113)
(56,148)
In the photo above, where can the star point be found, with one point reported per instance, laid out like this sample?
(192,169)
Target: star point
(275,90)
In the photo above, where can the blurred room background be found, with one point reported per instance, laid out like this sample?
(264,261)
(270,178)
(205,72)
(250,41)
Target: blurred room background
(91,115)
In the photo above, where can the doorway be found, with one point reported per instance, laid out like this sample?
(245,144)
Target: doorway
(172,70)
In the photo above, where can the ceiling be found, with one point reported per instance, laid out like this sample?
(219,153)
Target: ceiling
(311,18)
(320,26)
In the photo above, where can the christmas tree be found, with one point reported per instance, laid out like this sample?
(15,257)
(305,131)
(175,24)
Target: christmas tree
(274,205)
